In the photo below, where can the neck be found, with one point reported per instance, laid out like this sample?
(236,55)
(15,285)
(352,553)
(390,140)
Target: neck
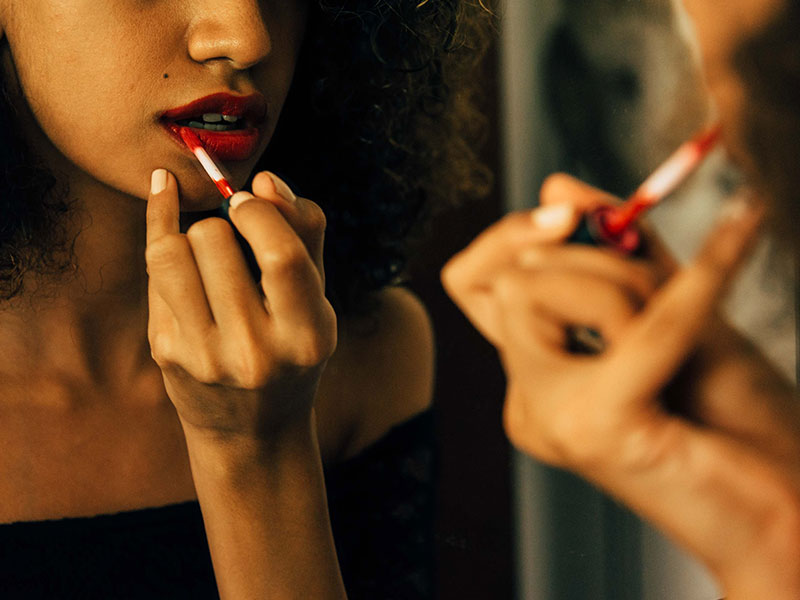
(91,324)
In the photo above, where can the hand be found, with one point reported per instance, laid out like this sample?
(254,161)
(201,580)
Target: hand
(239,357)
(712,482)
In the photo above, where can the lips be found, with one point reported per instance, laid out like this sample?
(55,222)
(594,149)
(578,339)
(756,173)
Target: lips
(241,117)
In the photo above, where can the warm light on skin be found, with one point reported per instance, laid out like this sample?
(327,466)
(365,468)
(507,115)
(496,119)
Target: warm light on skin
(94,79)
(719,34)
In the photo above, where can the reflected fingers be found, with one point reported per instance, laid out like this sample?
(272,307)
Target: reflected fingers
(557,301)
(670,325)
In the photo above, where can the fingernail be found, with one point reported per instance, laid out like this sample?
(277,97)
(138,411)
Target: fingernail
(238,198)
(554,216)
(284,191)
(158,181)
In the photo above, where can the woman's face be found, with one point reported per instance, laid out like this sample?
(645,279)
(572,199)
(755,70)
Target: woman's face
(722,27)
(99,76)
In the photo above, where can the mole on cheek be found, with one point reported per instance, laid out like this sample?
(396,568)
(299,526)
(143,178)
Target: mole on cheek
(166,75)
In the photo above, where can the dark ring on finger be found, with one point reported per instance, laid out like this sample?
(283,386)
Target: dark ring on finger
(584,340)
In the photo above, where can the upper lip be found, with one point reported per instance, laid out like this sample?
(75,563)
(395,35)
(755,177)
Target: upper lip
(252,108)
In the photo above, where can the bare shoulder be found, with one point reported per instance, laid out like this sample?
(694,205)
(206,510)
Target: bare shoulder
(380,375)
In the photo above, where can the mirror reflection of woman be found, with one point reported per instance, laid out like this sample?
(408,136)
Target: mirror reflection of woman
(144,369)
(680,417)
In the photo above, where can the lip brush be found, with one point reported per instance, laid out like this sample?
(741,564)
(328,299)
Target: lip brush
(225,188)
(213,171)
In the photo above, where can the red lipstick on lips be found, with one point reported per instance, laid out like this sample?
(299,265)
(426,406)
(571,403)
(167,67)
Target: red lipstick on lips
(228,125)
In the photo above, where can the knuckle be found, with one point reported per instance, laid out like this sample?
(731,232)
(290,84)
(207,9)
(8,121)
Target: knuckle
(207,371)
(567,439)
(642,445)
(204,367)
(312,348)
(449,275)
(508,290)
(455,274)
(522,431)
(310,352)
(165,251)
(251,370)
(210,230)
(161,349)
(287,260)
(317,221)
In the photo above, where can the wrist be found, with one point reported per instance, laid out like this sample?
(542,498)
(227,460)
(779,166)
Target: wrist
(230,455)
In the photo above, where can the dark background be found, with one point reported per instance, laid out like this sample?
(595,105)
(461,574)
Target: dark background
(474,535)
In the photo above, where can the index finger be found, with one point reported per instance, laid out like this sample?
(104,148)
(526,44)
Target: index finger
(163,206)
(500,244)
(561,188)
(668,328)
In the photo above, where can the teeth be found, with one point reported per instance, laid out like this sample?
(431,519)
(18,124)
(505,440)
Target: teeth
(218,118)
(214,122)
(209,126)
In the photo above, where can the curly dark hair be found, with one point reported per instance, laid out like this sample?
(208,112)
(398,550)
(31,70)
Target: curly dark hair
(381,126)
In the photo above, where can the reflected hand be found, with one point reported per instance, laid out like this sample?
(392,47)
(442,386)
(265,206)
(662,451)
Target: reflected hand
(714,485)
(239,358)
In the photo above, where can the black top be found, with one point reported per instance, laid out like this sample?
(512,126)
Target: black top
(381,505)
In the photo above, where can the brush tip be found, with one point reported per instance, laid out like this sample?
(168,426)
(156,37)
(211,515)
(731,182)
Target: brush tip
(189,138)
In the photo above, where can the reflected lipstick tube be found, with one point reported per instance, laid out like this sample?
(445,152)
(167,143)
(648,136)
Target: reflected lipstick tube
(614,226)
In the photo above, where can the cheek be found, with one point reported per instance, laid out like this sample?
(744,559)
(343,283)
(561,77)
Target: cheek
(90,100)
(722,27)
(83,86)
(90,120)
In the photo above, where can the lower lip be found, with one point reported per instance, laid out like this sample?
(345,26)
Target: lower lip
(239,144)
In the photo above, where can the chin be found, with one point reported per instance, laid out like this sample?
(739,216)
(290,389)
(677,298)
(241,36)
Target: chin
(211,200)
(197,192)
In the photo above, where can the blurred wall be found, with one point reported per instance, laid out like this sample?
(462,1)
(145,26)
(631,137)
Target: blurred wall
(474,516)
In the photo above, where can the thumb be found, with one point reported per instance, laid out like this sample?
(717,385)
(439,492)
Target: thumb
(561,188)
(666,331)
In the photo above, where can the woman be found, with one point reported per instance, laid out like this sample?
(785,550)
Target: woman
(678,417)
(145,369)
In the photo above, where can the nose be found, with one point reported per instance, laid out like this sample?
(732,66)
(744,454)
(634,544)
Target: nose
(229,30)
